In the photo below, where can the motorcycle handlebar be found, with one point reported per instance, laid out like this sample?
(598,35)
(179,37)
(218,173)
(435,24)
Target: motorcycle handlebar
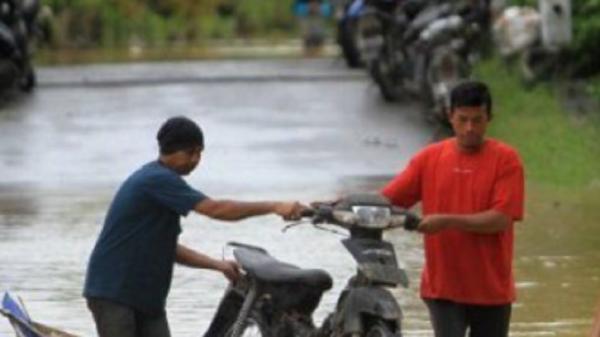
(411,221)
(324,213)
(307,213)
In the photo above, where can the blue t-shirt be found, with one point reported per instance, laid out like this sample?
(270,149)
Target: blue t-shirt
(132,262)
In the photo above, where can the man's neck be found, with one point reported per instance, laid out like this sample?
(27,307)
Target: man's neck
(166,162)
(470,149)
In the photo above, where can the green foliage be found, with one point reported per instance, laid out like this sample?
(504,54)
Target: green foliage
(118,23)
(586,30)
(557,148)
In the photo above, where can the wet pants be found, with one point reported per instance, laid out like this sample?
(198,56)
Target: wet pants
(451,319)
(117,320)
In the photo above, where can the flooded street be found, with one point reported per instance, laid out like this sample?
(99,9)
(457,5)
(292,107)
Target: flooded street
(286,129)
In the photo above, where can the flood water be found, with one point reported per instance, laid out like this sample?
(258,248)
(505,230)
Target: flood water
(306,130)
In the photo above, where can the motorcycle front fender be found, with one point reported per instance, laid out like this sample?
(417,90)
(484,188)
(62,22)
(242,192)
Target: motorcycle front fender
(356,303)
(226,314)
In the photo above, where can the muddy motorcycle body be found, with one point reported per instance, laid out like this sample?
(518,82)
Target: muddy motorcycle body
(278,299)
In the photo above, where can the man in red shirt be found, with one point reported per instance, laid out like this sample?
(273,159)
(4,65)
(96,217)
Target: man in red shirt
(471,190)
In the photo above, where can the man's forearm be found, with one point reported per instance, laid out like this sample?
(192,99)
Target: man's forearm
(487,222)
(230,210)
(237,210)
(194,259)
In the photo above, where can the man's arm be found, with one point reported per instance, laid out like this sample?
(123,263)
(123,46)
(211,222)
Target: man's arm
(191,258)
(487,222)
(230,210)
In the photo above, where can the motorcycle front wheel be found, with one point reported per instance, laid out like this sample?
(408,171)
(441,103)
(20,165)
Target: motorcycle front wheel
(389,89)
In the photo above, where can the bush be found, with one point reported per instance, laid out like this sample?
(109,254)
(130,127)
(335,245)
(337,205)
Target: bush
(585,52)
(102,23)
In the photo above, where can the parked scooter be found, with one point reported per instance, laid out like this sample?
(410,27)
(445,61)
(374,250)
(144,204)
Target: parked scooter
(277,299)
(17,30)
(447,46)
(420,50)
(383,48)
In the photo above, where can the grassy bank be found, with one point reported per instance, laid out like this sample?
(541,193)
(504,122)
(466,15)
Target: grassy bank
(559,148)
(561,153)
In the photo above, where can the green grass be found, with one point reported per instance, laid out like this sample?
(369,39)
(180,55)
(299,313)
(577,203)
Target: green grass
(557,148)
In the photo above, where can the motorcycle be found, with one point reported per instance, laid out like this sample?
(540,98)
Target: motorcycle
(420,50)
(381,30)
(447,45)
(17,29)
(277,299)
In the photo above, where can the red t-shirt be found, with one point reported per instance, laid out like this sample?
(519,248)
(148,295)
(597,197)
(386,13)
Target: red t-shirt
(463,266)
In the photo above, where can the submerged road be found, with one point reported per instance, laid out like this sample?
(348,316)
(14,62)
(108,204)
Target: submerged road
(285,129)
(275,129)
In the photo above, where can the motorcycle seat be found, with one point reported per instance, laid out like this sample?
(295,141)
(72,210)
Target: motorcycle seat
(262,266)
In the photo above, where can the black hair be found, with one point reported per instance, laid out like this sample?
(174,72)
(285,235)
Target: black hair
(471,94)
(179,133)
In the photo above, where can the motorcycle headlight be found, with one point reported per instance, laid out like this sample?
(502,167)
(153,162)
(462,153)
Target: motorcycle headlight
(372,216)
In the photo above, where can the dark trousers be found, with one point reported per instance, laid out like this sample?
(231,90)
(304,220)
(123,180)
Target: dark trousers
(117,320)
(451,319)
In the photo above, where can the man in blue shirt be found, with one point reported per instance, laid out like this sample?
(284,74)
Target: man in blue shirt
(130,269)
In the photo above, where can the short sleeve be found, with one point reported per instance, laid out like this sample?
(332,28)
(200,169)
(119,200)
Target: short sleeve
(405,189)
(171,191)
(509,190)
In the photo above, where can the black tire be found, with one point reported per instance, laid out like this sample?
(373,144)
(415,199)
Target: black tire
(347,39)
(8,73)
(254,326)
(388,90)
(28,82)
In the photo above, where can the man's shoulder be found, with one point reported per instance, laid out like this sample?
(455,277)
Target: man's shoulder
(152,170)
(434,148)
(150,174)
(503,149)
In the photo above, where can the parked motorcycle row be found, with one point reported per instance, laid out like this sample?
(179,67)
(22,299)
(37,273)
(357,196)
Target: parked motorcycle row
(18,32)
(413,48)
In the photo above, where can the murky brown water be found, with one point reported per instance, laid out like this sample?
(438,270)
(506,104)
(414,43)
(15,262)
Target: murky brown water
(65,149)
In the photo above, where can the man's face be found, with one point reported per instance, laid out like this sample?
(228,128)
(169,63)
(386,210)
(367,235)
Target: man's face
(187,160)
(469,125)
